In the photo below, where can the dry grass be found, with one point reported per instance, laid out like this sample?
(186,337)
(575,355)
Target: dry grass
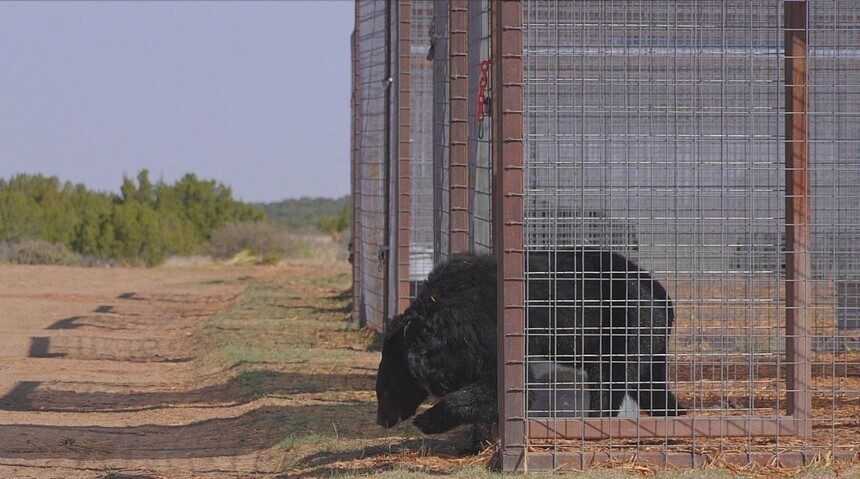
(290,338)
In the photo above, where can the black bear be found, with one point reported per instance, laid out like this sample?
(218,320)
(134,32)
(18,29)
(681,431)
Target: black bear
(444,344)
(589,308)
(598,311)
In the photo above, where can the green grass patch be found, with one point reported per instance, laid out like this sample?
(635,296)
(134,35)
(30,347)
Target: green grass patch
(283,320)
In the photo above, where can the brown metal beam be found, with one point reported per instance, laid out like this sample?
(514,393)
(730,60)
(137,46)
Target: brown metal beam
(798,234)
(459,126)
(355,177)
(506,80)
(648,427)
(577,460)
(404,153)
(385,249)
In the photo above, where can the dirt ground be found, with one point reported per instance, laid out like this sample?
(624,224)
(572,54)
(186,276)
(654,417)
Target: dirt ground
(201,371)
(195,371)
(103,375)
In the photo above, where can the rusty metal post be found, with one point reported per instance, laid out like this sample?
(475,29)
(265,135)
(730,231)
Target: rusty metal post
(797,217)
(459,124)
(404,154)
(506,53)
(439,53)
(384,254)
(355,254)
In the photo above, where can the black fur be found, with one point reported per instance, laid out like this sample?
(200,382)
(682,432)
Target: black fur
(611,319)
(444,344)
(615,327)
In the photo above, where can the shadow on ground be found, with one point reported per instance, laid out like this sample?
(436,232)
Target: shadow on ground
(436,455)
(243,388)
(252,432)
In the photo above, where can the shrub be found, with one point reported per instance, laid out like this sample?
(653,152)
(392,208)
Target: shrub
(335,225)
(40,252)
(144,224)
(257,238)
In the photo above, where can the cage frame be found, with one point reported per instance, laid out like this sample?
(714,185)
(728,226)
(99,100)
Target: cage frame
(370,254)
(402,160)
(515,429)
(458,18)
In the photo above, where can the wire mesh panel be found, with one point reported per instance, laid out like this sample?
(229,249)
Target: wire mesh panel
(371,175)
(653,134)
(663,244)
(440,56)
(421,76)
(480,127)
(834,152)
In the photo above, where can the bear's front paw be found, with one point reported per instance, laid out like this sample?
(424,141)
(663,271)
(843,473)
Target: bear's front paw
(435,420)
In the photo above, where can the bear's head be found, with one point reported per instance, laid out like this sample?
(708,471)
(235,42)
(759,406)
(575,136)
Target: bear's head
(398,393)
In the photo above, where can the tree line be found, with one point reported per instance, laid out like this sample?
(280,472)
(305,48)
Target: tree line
(309,215)
(143,224)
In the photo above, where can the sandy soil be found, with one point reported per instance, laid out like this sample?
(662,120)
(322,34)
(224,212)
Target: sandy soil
(97,377)
(103,374)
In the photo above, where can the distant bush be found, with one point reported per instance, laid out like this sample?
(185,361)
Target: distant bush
(144,224)
(336,225)
(303,215)
(255,238)
(39,252)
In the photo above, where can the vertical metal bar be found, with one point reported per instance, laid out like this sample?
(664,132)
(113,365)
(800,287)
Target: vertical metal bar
(459,121)
(421,144)
(356,184)
(439,38)
(385,252)
(404,153)
(797,216)
(507,150)
(374,163)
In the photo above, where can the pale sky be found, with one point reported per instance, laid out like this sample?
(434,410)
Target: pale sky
(252,94)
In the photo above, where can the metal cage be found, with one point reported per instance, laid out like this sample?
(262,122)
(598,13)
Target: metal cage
(393,160)
(371,187)
(715,145)
(706,153)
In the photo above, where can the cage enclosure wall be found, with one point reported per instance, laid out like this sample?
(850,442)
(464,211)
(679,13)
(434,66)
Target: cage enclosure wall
(689,228)
(394,238)
(371,183)
(672,190)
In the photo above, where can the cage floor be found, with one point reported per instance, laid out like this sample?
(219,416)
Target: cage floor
(835,390)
